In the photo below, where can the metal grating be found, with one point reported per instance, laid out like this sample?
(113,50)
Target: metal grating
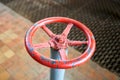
(101,16)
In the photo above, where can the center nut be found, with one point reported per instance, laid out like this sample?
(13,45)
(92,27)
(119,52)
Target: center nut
(59,42)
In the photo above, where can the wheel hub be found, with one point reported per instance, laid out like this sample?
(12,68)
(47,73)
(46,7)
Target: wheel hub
(59,42)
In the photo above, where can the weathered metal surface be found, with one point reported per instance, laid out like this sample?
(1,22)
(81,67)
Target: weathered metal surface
(101,16)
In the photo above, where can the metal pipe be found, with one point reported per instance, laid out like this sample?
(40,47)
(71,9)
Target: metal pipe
(56,74)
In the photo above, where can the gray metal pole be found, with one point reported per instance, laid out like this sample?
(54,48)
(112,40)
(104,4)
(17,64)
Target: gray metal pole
(56,74)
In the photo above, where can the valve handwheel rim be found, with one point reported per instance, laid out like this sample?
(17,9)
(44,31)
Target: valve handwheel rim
(60,43)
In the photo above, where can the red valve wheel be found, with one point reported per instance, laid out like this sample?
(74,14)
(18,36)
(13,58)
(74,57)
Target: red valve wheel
(60,43)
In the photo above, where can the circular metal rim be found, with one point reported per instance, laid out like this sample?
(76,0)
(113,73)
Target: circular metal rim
(59,63)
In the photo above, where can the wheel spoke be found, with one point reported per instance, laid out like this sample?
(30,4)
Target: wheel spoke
(77,43)
(63,54)
(67,29)
(48,31)
(41,45)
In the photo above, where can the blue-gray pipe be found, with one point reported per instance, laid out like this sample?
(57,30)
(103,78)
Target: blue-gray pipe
(56,74)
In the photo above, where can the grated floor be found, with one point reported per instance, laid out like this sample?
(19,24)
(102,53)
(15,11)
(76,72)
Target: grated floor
(101,16)
(16,64)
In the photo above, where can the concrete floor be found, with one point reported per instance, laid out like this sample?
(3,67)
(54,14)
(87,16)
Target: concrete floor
(16,64)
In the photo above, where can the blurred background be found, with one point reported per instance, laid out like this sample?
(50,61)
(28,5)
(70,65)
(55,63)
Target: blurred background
(101,16)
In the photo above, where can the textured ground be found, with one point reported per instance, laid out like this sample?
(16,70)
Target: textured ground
(16,64)
(101,16)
